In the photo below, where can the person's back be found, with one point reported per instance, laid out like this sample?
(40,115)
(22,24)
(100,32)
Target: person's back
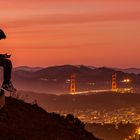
(2,34)
(7,65)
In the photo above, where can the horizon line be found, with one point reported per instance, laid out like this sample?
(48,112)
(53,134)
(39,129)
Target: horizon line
(77,65)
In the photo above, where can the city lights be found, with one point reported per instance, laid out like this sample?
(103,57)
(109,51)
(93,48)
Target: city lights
(138,131)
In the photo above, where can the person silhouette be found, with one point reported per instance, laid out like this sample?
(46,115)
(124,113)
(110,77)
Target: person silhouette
(6,63)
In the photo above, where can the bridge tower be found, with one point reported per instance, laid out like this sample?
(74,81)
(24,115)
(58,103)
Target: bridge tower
(114,82)
(73,84)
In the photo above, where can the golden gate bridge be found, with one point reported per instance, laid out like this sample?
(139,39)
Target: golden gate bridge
(114,88)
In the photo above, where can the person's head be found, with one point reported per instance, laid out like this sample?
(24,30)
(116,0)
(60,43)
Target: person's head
(2,34)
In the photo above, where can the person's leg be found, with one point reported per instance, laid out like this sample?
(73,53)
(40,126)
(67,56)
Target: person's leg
(7,67)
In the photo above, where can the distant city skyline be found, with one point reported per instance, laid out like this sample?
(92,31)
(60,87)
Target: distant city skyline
(50,32)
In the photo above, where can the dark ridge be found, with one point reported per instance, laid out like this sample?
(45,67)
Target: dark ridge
(23,121)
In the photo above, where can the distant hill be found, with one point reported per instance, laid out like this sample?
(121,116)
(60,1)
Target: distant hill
(129,70)
(22,121)
(132,70)
(55,79)
(26,68)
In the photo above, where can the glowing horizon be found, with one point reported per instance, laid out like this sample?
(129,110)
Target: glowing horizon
(48,32)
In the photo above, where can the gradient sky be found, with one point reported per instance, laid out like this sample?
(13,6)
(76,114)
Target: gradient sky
(55,32)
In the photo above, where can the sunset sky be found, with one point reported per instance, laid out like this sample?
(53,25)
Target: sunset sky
(56,32)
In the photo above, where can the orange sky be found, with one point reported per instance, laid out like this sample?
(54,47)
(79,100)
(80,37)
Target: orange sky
(55,32)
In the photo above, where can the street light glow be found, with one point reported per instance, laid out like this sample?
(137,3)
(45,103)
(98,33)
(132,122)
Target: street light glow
(126,81)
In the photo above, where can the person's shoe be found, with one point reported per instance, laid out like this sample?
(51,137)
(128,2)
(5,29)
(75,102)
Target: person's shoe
(9,87)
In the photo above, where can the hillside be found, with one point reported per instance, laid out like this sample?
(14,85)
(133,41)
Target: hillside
(100,101)
(22,121)
(90,107)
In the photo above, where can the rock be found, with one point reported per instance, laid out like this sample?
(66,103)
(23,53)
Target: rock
(2,98)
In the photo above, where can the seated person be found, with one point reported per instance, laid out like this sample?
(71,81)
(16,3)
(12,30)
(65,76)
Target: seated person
(7,65)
